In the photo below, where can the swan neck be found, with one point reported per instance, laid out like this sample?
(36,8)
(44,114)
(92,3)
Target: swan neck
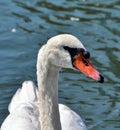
(47,75)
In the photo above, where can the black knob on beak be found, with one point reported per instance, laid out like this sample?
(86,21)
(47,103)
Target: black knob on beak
(86,54)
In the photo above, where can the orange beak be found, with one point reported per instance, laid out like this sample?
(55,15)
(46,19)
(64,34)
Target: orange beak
(87,68)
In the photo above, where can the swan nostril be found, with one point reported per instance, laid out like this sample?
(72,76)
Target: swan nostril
(86,54)
(85,62)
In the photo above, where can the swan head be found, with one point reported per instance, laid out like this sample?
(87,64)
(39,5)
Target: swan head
(67,51)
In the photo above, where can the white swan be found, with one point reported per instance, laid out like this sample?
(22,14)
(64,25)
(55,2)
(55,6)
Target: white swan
(32,109)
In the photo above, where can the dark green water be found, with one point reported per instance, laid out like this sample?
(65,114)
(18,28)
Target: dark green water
(26,25)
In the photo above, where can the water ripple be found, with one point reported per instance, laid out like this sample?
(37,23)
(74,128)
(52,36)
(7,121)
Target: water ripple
(96,23)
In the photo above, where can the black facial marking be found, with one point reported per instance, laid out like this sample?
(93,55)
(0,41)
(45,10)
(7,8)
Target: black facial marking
(74,51)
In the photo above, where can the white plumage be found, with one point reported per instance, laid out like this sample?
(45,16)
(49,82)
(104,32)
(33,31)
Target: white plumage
(38,109)
(24,112)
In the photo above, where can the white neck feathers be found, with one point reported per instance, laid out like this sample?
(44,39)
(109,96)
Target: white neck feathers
(47,75)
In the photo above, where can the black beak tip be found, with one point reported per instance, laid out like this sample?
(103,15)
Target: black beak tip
(101,79)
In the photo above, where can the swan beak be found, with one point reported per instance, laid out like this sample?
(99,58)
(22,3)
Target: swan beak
(87,68)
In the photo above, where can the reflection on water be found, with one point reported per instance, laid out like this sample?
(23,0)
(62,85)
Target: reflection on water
(96,23)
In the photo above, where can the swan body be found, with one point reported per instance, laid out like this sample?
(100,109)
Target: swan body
(24,112)
(38,109)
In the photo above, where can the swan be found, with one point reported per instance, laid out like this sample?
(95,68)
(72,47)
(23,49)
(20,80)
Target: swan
(38,109)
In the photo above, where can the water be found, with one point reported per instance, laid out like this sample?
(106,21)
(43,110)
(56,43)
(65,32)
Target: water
(26,25)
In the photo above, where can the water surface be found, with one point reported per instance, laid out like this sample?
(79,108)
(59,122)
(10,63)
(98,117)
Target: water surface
(26,25)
